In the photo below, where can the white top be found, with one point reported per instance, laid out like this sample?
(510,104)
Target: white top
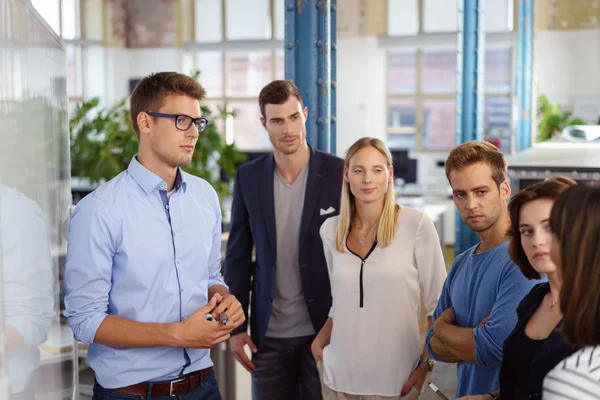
(374,349)
(577,377)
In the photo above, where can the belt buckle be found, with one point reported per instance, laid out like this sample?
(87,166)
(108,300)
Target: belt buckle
(171,385)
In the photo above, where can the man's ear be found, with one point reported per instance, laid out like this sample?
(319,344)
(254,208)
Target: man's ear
(263,122)
(505,190)
(305,112)
(143,122)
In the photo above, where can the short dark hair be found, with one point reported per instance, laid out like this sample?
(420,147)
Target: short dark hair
(575,222)
(548,189)
(278,92)
(150,93)
(475,151)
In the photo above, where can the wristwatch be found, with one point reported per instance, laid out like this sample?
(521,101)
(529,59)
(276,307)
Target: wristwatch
(429,361)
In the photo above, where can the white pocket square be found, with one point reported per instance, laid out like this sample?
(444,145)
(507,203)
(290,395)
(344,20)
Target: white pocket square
(328,211)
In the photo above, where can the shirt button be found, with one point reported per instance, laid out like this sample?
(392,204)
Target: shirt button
(184,318)
(167,206)
(162,186)
(182,290)
(174,233)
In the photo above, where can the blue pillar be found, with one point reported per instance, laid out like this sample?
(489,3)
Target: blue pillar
(310,27)
(470,91)
(525,74)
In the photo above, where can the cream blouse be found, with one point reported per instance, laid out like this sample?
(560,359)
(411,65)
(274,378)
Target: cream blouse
(375,347)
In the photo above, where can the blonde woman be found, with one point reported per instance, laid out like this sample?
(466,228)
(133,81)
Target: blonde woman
(380,257)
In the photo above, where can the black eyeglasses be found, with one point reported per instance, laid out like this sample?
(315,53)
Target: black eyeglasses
(182,121)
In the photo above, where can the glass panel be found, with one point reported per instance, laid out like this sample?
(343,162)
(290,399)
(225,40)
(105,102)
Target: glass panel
(439,71)
(248,73)
(279,19)
(401,142)
(403,17)
(49,10)
(440,15)
(498,121)
(439,124)
(36,353)
(70,19)
(498,69)
(402,72)
(401,115)
(498,15)
(210,64)
(208,21)
(214,115)
(74,86)
(279,65)
(248,19)
(248,133)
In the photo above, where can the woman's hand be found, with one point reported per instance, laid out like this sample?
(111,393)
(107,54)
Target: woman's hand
(317,349)
(416,379)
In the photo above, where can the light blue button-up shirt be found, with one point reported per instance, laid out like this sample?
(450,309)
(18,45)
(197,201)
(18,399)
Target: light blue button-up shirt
(136,253)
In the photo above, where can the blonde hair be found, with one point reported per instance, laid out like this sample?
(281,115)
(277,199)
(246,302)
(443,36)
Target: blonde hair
(389,215)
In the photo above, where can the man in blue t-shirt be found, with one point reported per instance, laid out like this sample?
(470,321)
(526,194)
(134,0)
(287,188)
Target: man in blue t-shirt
(477,307)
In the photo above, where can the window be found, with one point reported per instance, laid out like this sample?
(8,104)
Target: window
(208,25)
(232,75)
(422,97)
(248,19)
(248,73)
(440,16)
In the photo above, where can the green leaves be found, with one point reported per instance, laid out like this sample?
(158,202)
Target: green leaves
(553,119)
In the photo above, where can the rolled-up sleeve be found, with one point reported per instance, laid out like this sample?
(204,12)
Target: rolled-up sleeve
(88,269)
(215,277)
(489,338)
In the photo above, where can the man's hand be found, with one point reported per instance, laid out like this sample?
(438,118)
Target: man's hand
(231,307)
(198,333)
(448,316)
(237,345)
(416,379)
(484,321)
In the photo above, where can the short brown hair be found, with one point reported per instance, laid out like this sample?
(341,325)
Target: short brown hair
(278,92)
(548,189)
(150,93)
(475,151)
(575,221)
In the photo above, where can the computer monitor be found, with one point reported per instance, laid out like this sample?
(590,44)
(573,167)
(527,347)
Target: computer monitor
(405,167)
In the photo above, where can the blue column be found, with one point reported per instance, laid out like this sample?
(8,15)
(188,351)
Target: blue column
(310,27)
(525,74)
(470,91)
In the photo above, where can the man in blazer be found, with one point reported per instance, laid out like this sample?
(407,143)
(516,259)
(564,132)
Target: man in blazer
(279,203)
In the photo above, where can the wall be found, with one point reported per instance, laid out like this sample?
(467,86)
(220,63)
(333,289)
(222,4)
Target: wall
(361,100)
(568,68)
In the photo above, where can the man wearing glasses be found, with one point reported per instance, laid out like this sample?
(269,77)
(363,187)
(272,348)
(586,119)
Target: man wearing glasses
(143,265)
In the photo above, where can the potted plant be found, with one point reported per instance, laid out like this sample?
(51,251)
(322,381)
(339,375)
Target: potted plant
(553,118)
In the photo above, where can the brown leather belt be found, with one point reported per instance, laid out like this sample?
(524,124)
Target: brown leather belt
(176,387)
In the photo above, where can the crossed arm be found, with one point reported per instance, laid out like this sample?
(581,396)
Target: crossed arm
(452,343)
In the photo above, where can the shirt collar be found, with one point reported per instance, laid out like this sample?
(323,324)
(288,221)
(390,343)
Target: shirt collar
(149,181)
